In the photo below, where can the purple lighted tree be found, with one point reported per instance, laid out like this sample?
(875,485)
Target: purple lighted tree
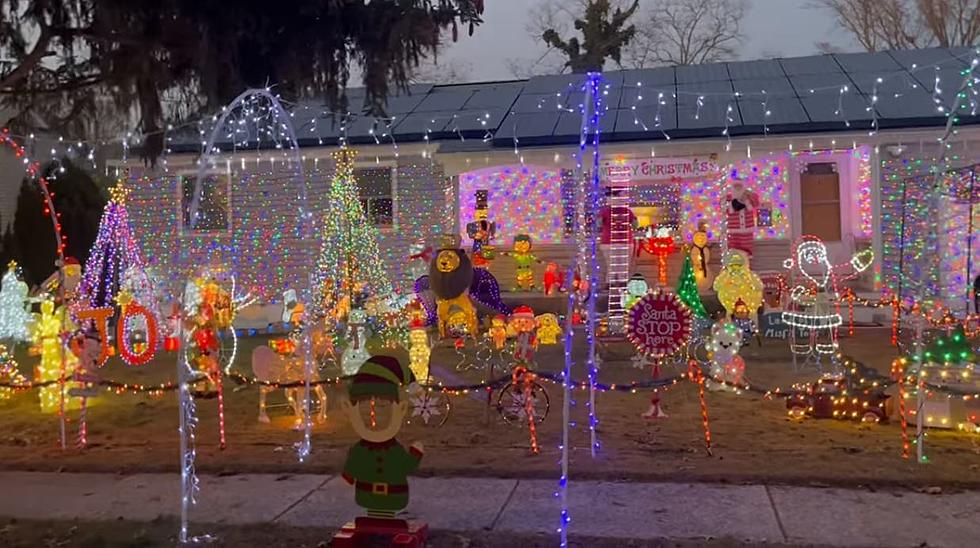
(115,260)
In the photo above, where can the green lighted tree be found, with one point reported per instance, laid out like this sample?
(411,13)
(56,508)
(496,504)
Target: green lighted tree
(953,348)
(687,289)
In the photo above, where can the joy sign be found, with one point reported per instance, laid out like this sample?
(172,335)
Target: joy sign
(659,324)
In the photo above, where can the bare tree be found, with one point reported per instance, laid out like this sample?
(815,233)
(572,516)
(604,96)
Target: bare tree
(604,34)
(687,32)
(667,32)
(906,24)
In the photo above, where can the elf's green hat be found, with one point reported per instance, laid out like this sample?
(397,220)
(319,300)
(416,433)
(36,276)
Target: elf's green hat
(380,377)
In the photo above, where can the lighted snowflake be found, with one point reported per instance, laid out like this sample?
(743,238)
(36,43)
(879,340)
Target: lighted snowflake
(425,406)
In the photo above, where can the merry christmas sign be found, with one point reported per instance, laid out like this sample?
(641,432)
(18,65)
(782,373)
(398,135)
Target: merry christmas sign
(659,324)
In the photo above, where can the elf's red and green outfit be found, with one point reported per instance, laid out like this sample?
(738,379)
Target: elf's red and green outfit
(379,471)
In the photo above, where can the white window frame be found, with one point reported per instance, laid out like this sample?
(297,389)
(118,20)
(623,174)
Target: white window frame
(393,166)
(191,174)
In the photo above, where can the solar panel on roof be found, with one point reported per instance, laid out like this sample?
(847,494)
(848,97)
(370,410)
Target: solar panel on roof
(696,74)
(645,96)
(921,57)
(772,86)
(711,112)
(443,100)
(475,120)
(899,81)
(867,62)
(911,103)
(420,123)
(755,70)
(536,124)
(814,64)
(644,121)
(804,83)
(571,123)
(662,76)
(499,96)
(782,110)
(536,102)
(555,83)
(832,107)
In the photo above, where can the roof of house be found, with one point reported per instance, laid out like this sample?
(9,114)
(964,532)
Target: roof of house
(819,93)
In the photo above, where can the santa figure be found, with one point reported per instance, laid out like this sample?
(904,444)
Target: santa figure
(740,206)
(816,294)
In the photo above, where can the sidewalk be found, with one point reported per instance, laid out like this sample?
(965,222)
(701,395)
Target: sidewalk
(748,513)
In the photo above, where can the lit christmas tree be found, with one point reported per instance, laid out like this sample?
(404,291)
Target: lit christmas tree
(687,289)
(14,318)
(8,373)
(115,259)
(952,349)
(350,266)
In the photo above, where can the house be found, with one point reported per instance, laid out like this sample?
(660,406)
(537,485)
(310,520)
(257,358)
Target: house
(837,146)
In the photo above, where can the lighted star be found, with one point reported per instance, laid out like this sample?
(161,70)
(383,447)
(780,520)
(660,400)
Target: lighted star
(124,298)
(119,193)
(12,265)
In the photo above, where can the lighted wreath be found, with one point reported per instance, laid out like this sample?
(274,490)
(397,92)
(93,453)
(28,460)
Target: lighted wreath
(659,324)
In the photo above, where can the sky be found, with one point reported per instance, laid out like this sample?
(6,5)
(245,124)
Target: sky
(783,28)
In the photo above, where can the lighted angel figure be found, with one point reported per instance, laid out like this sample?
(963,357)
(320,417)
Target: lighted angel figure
(815,293)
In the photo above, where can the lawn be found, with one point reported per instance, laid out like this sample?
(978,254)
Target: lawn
(753,440)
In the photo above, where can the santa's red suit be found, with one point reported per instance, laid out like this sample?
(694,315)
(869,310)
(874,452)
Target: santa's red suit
(740,221)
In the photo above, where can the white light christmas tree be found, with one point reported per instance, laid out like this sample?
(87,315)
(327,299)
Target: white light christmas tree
(14,318)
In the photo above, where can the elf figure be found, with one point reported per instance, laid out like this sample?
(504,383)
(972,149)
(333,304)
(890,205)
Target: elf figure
(523,257)
(700,255)
(523,326)
(636,288)
(554,279)
(740,208)
(378,466)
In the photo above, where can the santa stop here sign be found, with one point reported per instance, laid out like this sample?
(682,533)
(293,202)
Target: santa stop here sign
(659,324)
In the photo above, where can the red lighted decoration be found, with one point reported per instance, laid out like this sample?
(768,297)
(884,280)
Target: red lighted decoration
(659,324)
(142,355)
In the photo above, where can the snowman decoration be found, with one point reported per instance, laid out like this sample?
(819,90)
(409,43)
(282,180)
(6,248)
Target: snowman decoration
(815,294)
(727,367)
(356,352)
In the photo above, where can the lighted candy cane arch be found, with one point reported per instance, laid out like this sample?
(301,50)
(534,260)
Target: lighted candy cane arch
(260,117)
(33,170)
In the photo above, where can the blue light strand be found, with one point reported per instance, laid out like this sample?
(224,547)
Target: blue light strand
(590,122)
(594,83)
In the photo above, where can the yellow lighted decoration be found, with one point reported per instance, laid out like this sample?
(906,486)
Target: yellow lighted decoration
(447,261)
(548,329)
(119,193)
(700,256)
(498,331)
(47,339)
(419,352)
(736,281)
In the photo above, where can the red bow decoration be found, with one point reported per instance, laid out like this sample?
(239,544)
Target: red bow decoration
(425,255)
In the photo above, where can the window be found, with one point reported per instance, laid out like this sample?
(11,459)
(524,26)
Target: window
(375,188)
(213,203)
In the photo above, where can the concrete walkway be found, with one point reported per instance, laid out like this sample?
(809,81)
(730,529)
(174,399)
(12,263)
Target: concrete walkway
(748,513)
